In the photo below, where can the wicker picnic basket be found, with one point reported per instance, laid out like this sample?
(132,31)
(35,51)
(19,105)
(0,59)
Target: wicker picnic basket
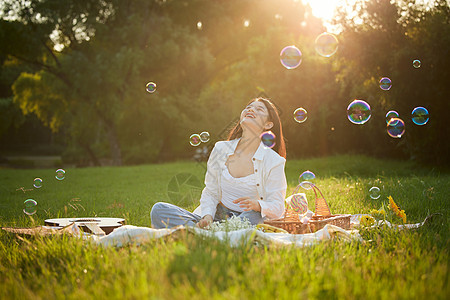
(322,216)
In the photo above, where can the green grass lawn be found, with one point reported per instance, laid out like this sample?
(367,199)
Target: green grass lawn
(409,264)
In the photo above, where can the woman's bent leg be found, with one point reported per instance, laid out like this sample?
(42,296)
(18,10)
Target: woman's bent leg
(253,216)
(166,215)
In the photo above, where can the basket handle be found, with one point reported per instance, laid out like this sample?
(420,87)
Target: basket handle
(322,207)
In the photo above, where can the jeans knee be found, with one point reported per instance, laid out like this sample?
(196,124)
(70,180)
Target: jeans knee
(155,213)
(253,217)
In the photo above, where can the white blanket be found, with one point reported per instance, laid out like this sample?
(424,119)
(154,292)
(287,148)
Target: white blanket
(129,234)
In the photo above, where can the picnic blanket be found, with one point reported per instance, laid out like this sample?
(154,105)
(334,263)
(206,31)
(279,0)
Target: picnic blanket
(129,234)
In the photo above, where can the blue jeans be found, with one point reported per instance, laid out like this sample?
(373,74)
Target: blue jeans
(167,215)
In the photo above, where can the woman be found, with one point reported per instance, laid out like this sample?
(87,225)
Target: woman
(243,177)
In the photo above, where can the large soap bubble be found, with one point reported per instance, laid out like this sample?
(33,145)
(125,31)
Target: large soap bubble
(290,57)
(204,136)
(358,112)
(268,139)
(391,114)
(37,183)
(300,115)
(305,179)
(385,83)
(60,174)
(195,139)
(396,128)
(326,44)
(375,192)
(29,207)
(420,115)
(306,176)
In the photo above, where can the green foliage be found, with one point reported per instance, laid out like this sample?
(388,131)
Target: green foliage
(10,115)
(34,94)
(390,37)
(409,264)
(93,86)
(101,83)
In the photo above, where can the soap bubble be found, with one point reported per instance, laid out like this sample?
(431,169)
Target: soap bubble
(199,25)
(60,174)
(195,140)
(151,87)
(37,183)
(307,185)
(326,44)
(396,128)
(29,207)
(391,114)
(204,136)
(268,139)
(416,63)
(374,192)
(300,115)
(306,176)
(358,112)
(290,57)
(420,115)
(385,84)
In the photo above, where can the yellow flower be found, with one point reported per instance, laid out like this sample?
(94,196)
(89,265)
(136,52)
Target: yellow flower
(393,206)
(366,221)
(402,214)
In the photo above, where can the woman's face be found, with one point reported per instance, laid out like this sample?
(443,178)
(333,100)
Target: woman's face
(255,116)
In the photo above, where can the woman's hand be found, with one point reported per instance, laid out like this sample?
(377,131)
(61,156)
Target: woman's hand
(248,204)
(205,221)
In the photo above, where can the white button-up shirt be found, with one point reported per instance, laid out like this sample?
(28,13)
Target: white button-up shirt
(271,179)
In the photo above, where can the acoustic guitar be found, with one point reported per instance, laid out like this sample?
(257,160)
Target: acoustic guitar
(97,226)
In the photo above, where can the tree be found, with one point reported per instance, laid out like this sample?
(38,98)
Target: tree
(108,51)
(384,44)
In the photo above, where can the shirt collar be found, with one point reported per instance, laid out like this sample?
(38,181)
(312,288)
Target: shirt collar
(259,154)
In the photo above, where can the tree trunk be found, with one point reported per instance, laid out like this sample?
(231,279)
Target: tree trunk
(116,153)
(111,133)
(165,149)
(91,153)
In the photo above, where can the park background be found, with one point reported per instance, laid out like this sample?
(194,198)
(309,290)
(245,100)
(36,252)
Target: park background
(72,95)
(73,77)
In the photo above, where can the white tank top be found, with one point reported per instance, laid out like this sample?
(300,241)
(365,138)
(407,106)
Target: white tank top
(234,188)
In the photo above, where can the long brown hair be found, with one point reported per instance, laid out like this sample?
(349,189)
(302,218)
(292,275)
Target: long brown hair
(280,146)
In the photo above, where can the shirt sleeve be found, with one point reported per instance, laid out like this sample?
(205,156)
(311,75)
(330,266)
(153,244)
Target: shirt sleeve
(210,194)
(275,186)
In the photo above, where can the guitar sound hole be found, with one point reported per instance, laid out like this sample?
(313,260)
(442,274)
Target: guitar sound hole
(85,220)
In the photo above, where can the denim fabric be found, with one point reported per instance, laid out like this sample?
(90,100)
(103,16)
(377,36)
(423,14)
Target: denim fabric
(167,215)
